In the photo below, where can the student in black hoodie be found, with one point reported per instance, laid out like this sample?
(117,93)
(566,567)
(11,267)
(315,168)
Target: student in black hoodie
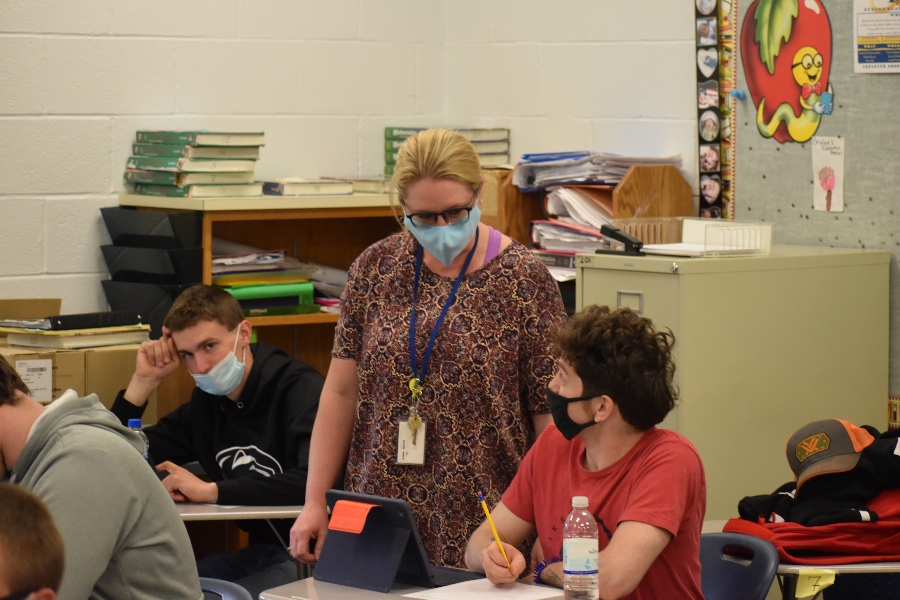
(248,423)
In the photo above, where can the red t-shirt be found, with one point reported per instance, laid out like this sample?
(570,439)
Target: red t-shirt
(659,482)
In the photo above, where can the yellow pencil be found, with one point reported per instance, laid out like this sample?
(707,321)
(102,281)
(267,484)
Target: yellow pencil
(487,513)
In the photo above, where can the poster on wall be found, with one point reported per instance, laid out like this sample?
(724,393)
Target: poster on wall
(786,51)
(828,173)
(727,103)
(876,31)
(709,122)
(715,106)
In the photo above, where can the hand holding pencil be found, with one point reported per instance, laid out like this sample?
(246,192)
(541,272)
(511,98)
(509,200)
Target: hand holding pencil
(487,514)
(502,563)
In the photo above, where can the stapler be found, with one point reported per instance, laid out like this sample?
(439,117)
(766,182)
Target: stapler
(632,244)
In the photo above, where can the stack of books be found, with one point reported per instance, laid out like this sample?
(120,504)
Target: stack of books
(298,186)
(74,339)
(491,143)
(373,184)
(194,164)
(86,330)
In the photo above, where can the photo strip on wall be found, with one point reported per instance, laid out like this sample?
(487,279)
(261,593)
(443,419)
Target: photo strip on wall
(709,116)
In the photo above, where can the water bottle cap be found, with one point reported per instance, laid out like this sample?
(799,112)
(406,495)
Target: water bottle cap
(134,423)
(579,501)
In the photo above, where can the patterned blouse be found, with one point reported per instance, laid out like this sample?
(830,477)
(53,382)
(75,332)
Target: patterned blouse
(487,374)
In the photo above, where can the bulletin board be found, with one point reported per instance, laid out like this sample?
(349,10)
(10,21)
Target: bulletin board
(775,180)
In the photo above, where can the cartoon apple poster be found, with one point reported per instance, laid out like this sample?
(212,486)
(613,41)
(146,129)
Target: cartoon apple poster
(786,52)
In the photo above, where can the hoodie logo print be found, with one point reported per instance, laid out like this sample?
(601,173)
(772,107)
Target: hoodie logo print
(247,461)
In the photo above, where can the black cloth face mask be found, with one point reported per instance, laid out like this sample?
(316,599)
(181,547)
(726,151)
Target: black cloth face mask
(559,409)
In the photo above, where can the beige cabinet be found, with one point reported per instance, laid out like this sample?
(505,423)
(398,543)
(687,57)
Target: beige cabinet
(764,345)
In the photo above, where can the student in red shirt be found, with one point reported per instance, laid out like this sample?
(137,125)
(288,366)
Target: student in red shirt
(646,486)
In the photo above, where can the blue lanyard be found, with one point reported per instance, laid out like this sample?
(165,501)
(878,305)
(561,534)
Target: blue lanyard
(420,378)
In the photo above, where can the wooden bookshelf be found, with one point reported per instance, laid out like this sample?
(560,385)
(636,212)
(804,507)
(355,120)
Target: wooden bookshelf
(254,203)
(329,230)
(307,319)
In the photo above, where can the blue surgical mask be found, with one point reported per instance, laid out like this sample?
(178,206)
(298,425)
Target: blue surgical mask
(446,242)
(223,378)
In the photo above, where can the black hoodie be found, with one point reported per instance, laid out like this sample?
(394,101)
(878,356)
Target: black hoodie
(828,498)
(255,449)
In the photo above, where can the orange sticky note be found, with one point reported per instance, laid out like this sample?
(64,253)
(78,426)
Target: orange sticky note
(349,516)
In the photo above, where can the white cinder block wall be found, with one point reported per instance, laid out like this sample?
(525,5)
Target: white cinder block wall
(322,78)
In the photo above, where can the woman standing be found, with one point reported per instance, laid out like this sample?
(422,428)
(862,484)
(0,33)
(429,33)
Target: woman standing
(436,387)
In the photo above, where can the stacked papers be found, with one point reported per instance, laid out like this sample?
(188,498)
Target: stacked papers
(590,206)
(232,257)
(557,235)
(538,171)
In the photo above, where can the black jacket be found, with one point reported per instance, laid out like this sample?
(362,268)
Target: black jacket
(833,497)
(255,449)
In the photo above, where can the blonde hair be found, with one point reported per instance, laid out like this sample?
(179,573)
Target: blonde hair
(435,154)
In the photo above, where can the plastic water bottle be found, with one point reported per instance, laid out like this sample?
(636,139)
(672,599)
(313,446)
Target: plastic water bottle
(135,425)
(580,549)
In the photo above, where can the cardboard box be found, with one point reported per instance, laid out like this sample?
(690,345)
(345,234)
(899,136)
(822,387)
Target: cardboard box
(47,373)
(50,372)
(108,369)
(29,308)
(102,371)
(490,192)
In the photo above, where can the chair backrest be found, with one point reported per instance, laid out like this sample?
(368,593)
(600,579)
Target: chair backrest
(736,566)
(217,589)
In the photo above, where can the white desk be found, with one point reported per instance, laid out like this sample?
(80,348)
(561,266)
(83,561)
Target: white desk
(791,572)
(876,567)
(190,511)
(310,589)
(215,512)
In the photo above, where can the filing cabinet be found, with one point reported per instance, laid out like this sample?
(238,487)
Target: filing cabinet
(764,345)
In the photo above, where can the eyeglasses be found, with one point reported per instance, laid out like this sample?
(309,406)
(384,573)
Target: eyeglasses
(452,216)
(19,595)
(808,61)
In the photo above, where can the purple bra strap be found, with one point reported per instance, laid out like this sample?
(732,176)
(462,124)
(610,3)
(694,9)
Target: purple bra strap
(493,247)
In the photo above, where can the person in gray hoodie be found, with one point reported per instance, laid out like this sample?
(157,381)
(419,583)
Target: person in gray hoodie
(122,532)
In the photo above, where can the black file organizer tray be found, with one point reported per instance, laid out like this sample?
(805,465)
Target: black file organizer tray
(153,229)
(152,300)
(154,265)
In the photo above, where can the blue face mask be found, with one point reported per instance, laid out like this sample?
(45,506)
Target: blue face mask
(223,378)
(446,242)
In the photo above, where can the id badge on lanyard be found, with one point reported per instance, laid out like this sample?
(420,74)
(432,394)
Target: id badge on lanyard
(411,432)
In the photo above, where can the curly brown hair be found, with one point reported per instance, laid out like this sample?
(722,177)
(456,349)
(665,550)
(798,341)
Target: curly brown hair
(10,381)
(619,354)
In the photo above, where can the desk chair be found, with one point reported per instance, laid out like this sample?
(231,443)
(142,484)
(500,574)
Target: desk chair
(217,589)
(736,566)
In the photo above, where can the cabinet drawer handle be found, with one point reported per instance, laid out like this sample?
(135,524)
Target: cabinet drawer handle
(625,293)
